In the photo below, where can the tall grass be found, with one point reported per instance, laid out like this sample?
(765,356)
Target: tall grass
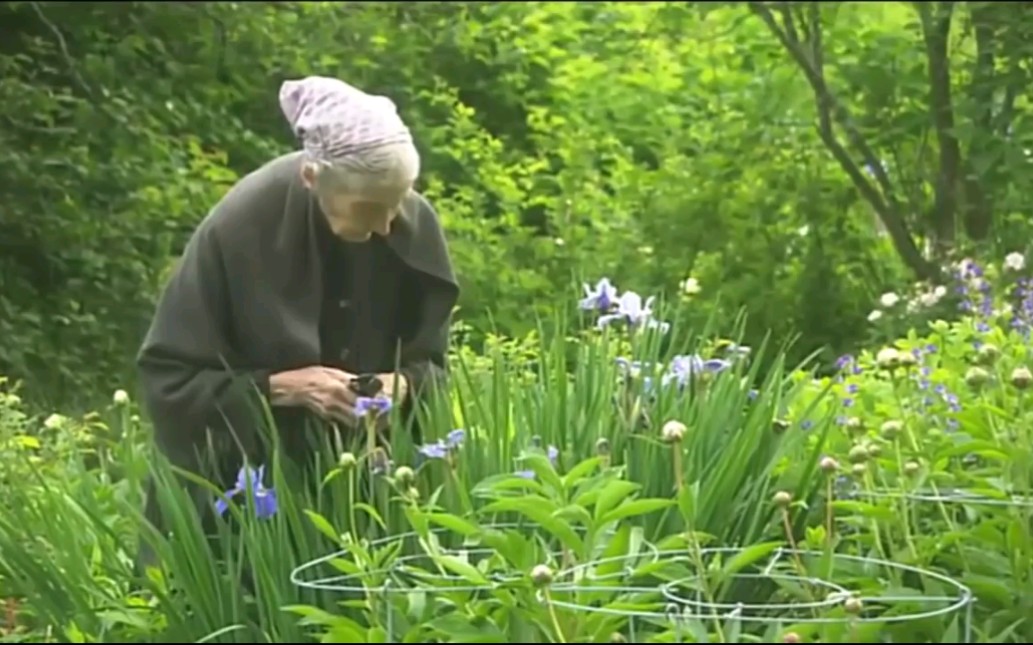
(70,538)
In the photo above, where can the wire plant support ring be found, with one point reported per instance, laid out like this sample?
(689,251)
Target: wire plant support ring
(404,571)
(769,597)
(951,496)
(412,568)
(713,594)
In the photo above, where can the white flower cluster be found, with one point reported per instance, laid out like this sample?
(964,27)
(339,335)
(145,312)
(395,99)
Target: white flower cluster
(922,298)
(926,296)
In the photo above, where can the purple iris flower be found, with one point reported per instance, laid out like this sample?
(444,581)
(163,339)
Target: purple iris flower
(251,479)
(634,311)
(683,368)
(440,449)
(377,405)
(602,298)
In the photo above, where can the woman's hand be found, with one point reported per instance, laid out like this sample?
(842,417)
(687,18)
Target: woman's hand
(323,390)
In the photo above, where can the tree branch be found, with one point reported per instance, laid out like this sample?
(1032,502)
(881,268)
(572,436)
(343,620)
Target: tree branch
(830,113)
(936,25)
(63,46)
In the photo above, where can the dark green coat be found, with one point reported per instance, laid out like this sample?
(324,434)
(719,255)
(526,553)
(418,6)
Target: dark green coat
(250,296)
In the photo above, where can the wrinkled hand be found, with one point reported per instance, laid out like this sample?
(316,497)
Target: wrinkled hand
(323,390)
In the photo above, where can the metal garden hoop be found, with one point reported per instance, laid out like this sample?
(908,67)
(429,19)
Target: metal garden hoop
(950,496)
(401,575)
(670,606)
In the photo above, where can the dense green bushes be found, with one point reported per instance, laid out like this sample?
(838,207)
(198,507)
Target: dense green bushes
(653,141)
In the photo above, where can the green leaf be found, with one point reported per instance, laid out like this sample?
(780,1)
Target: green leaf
(340,633)
(579,471)
(575,513)
(542,467)
(464,569)
(612,494)
(507,482)
(635,508)
(540,511)
(372,512)
(454,523)
(323,525)
(865,509)
(747,556)
(458,628)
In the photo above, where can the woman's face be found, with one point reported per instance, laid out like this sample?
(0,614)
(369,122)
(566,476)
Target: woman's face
(356,217)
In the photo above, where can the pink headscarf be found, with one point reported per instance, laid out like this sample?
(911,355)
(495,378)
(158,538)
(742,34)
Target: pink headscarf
(334,119)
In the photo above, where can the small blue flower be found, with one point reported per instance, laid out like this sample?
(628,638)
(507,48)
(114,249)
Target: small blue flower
(251,479)
(602,298)
(683,368)
(377,405)
(436,450)
(633,311)
(440,449)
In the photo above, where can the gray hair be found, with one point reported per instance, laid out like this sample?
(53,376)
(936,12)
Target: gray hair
(374,170)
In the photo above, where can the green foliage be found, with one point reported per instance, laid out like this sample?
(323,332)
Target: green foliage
(558,487)
(658,140)
(669,145)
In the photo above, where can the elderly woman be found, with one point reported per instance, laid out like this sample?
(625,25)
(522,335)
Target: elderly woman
(318,267)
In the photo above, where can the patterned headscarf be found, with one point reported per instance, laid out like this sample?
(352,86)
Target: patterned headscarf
(333,119)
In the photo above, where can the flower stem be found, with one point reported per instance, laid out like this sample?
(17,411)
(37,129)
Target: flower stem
(555,619)
(679,478)
(792,542)
(829,524)
(351,505)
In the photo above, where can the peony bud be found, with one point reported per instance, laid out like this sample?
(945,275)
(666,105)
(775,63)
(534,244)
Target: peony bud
(673,431)
(855,425)
(541,575)
(347,461)
(858,454)
(888,358)
(891,429)
(404,476)
(976,377)
(1021,378)
(988,354)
